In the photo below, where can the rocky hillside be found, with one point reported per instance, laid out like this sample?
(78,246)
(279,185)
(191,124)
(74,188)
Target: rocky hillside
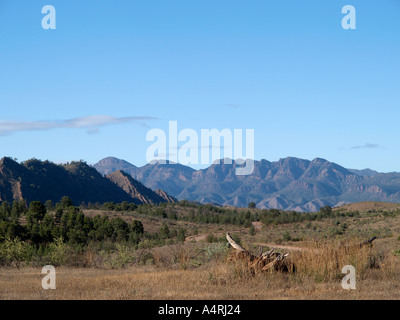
(43,180)
(137,190)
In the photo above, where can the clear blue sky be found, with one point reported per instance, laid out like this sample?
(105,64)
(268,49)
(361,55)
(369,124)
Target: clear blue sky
(284,68)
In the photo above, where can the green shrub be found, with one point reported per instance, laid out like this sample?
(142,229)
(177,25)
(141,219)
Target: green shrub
(14,251)
(211,238)
(119,258)
(58,251)
(287,236)
(216,251)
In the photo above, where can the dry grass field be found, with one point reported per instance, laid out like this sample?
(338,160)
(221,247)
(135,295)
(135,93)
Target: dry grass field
(200,270)
(214,283)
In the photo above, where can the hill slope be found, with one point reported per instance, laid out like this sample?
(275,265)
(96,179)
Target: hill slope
(137,190)
(44,180)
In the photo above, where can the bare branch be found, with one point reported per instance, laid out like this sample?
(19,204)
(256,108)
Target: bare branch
(233,243)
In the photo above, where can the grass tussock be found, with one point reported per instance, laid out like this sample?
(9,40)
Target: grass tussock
(324,261)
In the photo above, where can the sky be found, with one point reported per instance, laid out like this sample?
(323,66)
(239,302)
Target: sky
(113,70)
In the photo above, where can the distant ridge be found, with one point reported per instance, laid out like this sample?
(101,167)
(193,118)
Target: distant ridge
(364,172)
(289,183)
(111,164)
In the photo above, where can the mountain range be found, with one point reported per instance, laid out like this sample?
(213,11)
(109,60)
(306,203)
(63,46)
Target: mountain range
(289,184)
(35,180)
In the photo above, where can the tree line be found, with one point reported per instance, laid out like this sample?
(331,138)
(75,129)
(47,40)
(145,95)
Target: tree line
(41,224)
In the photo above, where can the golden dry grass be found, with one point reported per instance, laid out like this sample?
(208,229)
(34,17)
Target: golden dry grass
(215,284)
(317,278)
(324,260)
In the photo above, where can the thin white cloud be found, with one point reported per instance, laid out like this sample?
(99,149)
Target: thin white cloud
(92,123)
(367,146)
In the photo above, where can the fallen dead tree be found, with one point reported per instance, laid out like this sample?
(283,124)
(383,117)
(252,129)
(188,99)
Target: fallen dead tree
(366,243)
(267,261)
(359,246)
